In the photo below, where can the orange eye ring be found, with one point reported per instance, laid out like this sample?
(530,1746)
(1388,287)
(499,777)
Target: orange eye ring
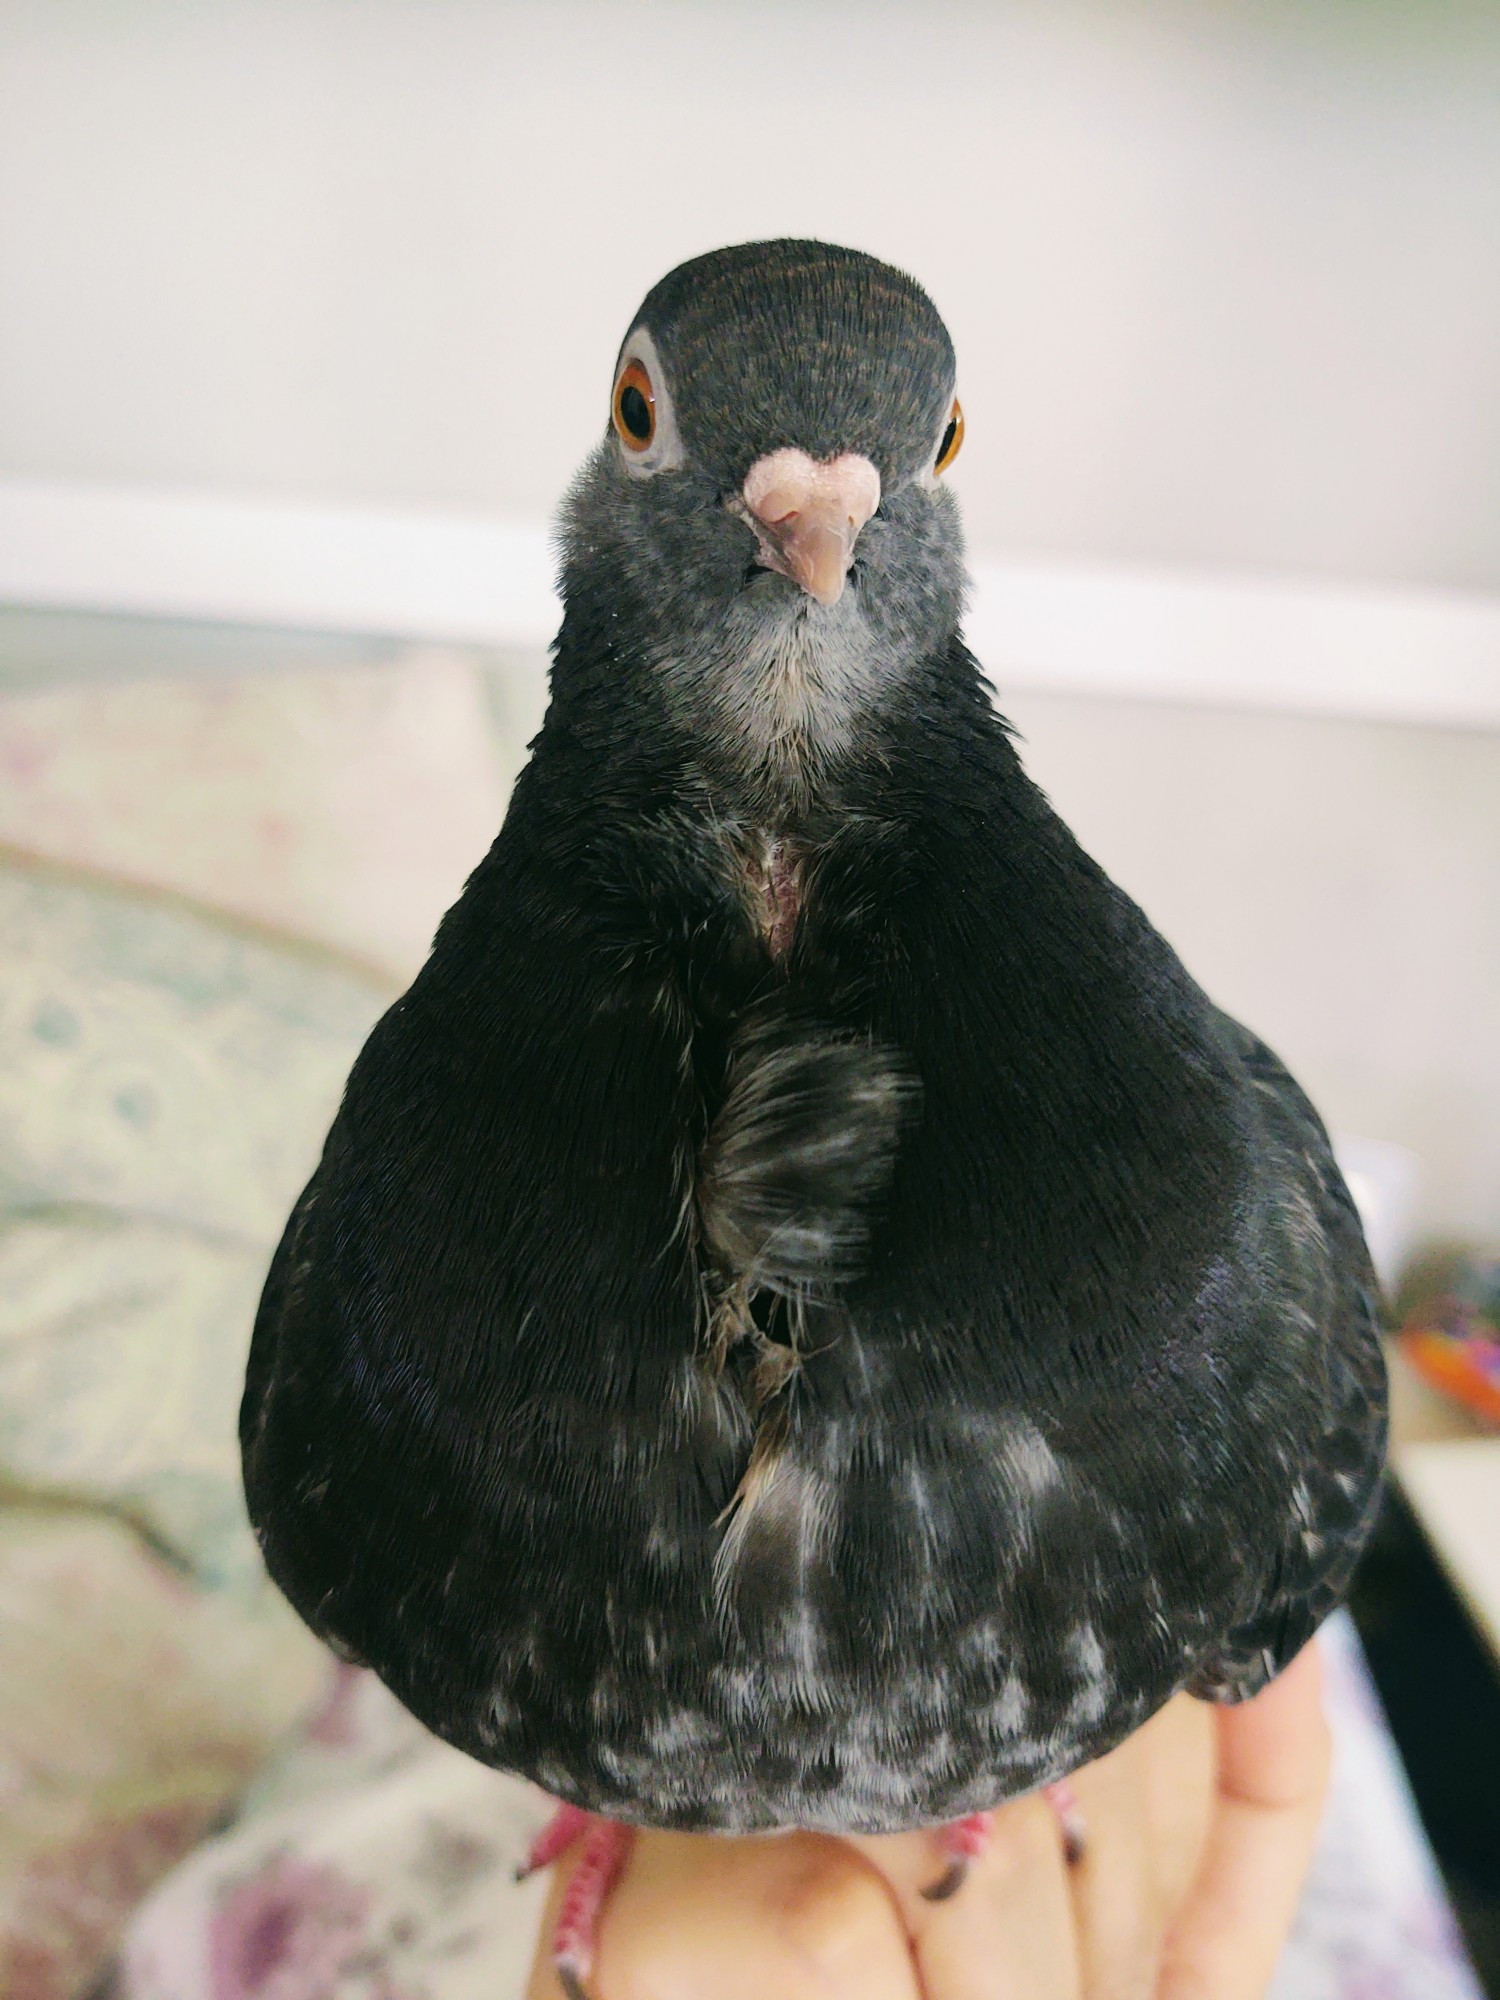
(953,438)
(633,407)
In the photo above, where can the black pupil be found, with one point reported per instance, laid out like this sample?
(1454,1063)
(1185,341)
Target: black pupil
(635,412)
(947,444)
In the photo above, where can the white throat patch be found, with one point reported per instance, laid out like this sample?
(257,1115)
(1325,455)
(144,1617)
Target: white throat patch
(784,694)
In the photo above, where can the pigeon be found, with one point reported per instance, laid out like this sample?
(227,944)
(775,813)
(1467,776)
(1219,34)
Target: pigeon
(807,1316)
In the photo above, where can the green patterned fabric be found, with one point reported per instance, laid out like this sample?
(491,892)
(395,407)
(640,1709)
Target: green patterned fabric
(165,1083)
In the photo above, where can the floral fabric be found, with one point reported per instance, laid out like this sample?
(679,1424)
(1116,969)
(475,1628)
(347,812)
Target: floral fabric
(165,1082)
(343,802)
(134,1710)
(374,1863)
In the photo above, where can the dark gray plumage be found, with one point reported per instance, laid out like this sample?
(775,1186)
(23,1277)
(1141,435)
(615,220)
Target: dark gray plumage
(806,1315)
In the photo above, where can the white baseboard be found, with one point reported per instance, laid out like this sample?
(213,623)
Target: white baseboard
(1385,652)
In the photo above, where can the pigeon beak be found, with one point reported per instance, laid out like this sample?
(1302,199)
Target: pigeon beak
(807,515)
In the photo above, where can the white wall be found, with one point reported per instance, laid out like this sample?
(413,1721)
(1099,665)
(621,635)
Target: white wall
(1225,280)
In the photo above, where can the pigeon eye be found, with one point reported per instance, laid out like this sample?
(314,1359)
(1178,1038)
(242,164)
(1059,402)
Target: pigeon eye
(634,407)
(953,438)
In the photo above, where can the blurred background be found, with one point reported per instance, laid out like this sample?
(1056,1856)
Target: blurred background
(307,315)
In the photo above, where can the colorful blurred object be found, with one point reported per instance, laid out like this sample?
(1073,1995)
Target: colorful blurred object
(1453,1338)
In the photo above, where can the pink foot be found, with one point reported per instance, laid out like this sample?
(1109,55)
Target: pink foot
(605,1845)
(959,1842)
(1070,1820)
(566,1825)
(966,1838)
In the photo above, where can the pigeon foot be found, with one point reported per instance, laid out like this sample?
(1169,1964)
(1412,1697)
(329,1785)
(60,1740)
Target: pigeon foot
(960,1843)
(1070,1821)
(965,1839)
(605,1845)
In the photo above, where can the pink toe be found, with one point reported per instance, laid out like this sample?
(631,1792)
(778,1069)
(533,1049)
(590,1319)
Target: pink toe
(961,1840)
(968,1837)
(566,1825)
(606,1844)
(1064,1803)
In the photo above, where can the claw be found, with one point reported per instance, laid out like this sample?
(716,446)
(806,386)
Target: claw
(960,1842)
(966,1838)
(948,1883)
(566,1825)
(1070,1821)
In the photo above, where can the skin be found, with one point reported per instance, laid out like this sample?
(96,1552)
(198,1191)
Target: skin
(1200,1830)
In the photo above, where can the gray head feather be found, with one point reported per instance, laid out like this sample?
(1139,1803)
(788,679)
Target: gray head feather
(760,348)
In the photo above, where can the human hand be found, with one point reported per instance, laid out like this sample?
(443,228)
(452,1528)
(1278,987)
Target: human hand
(1200,1828)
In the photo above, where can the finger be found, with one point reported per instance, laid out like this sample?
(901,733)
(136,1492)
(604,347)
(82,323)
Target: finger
(798,1916)
(1007,1934)
(1275,1750)
(1147,1806)
(1274,1754)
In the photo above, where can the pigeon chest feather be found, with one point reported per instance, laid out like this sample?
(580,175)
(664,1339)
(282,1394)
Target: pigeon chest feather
(773,884)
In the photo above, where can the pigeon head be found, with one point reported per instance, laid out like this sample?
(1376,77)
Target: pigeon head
(766,516)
